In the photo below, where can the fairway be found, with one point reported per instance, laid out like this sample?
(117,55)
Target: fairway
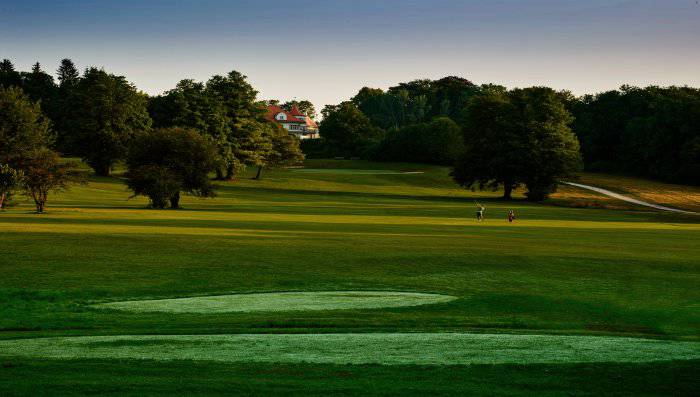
(368,348)
(308,282)
(280,302)
(340,171)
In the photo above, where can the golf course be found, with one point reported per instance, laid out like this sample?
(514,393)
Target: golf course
(344,277)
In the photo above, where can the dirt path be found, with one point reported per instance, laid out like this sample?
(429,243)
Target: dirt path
(626,198)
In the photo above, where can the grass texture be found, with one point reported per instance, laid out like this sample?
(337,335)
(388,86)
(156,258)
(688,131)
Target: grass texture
(555,271)
(280,302)
(340,171)
(365,348)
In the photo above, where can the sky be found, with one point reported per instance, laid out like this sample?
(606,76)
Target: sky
(326,50)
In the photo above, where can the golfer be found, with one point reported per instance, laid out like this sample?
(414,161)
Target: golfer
(511,216)
(480,212)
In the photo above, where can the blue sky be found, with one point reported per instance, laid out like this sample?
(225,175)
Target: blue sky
(326,50)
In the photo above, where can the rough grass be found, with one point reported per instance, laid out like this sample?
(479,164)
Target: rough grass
(666,194)
(382,348)
(280,302)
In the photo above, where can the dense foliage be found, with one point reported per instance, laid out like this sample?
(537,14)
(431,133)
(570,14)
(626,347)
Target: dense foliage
(23,127)
(11,179)
(166,161)
(346,131)
(517,137)
(652,131)
(438,141)
(106,111)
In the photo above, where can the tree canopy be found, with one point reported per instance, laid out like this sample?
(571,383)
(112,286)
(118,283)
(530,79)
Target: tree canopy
(652,131)
(164,162)
(23,127)
(105,112)
(347,131)
(517,137)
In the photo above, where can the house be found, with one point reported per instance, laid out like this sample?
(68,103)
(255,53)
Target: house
(293,121)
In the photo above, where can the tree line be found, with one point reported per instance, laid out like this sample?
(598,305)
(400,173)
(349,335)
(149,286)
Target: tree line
(494,137)
(170,143)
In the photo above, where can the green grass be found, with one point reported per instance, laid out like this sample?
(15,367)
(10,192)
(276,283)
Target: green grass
(555,270)
(280,302)
(362,348)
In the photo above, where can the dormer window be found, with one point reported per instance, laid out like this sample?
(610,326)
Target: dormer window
(281,117)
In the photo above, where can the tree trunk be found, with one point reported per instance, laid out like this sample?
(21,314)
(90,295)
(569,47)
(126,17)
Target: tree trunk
(230,173)
(258,176)
(219,174)
(175,201)
(2,199)
(102,169)
(507,191)
(39,206)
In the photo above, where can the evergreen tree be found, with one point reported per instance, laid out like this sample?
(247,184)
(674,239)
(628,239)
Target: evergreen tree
(105,112)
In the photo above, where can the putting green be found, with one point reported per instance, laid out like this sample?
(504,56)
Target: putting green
(280,302)
(375,348)
(350,171)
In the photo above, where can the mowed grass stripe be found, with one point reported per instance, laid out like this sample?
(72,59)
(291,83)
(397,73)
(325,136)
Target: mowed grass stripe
(374,348)
(352,171)
(280,302)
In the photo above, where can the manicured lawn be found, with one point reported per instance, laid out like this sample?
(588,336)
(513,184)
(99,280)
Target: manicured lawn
(556,270)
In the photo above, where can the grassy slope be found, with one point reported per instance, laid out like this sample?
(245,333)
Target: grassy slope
(557,270)
(667,194)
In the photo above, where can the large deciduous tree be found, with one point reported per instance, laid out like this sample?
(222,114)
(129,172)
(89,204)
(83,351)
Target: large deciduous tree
(106,111)
(493,151)
(552,150)
(164,162)
(517,137)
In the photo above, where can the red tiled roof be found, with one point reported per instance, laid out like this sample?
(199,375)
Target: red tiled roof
(292,116)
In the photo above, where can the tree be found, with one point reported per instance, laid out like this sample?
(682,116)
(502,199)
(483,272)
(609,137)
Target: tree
(346,131)
(246,143)
(164,162)
(517,137)
(552,150)
(68,78)
(304,106)
(284,151)
(40,88)
(189,104)
(23,128)
(9,77)
(67,73)
(106,112)
(10,180)
(45,174)
(493,153)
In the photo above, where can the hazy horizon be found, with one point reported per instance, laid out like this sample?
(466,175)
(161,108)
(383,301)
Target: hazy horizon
(325,51)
